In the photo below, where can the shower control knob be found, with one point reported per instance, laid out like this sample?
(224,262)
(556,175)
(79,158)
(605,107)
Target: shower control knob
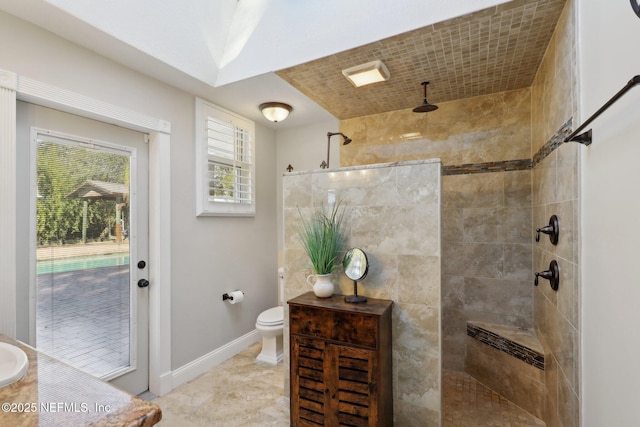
(552,275)
(552,230)
(143,283)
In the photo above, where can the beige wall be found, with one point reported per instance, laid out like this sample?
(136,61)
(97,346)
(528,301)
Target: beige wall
(486,217)
(556,191)
(486,255)
(475,130)
(393,214)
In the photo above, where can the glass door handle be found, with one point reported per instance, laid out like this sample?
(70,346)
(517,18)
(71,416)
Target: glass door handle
(143,283)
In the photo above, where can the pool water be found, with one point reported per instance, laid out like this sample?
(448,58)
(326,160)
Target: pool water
(62,265)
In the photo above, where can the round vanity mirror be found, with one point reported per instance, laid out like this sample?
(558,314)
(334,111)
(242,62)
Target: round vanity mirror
(356,267)
(355,264)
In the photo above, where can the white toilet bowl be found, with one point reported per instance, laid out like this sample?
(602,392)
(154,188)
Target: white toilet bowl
(270,324)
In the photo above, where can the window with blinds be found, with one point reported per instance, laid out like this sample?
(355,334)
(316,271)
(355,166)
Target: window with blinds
(226,162)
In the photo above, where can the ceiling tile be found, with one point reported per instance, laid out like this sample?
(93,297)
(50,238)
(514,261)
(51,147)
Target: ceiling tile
(493,50)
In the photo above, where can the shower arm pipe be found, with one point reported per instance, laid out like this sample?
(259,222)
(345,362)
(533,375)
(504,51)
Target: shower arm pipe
(586,137)
(325,165)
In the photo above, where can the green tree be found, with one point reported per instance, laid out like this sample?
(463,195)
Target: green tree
(60,169)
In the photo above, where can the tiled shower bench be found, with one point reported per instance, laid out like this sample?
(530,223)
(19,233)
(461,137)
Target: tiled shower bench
(510,361)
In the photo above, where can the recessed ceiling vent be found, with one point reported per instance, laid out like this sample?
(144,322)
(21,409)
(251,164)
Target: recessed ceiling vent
(366,74)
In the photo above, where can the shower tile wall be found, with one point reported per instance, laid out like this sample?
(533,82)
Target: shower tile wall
(487,255)
(474,130)
(556,191)
(486,217)
(393,214)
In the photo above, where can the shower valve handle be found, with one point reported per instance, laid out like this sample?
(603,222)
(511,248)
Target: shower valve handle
(546,230)
(552,230)
(552,275)
(547,274)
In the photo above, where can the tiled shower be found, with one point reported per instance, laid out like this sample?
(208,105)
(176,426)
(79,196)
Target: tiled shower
(504,175)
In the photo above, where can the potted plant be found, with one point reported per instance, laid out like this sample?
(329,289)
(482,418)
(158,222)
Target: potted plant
(322,237)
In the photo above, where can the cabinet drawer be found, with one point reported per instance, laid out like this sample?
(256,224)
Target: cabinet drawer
(355,328)
(310,321)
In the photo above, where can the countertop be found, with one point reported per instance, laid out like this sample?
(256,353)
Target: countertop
(337,302)
(53,393)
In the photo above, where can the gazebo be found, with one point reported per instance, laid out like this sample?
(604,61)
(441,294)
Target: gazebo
(100,190)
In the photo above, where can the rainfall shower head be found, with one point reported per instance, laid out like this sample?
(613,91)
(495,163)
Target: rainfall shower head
(425,107)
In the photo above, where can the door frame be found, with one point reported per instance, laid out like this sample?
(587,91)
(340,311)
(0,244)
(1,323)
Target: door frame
(14,87)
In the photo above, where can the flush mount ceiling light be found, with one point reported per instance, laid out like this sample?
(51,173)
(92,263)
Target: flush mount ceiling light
(365,74)
(275,111)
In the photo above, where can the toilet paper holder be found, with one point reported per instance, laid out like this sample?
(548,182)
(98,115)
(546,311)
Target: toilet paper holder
(226,296)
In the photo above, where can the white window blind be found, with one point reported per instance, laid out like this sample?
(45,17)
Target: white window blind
(226,162)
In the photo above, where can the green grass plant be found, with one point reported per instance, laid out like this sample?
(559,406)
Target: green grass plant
(322,237)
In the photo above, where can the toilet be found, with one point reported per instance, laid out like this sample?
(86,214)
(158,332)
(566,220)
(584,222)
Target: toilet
(270,324)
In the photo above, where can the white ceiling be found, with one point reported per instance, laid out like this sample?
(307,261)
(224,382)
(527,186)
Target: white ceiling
(227,50)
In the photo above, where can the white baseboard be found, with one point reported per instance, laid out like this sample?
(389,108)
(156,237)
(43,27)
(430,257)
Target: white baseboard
(162,385)
(202,364)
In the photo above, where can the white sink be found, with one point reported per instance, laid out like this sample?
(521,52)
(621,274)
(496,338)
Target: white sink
(13,364)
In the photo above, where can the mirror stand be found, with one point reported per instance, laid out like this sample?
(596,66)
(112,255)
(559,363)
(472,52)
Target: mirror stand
(355,297)
(356,266)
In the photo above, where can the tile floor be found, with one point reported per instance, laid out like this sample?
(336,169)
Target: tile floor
(237,393)
(468,403)
(243,393)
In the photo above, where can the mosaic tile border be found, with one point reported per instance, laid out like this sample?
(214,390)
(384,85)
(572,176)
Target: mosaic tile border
(513,165)
(469,168)
(505,345)
(554,142)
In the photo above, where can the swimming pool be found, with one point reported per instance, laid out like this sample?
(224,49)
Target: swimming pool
(62,265)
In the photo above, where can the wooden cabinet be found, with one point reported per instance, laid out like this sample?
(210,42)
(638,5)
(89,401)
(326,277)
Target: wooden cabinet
(340,362)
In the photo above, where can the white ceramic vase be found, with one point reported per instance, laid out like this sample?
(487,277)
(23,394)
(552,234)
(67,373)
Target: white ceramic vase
(322,285)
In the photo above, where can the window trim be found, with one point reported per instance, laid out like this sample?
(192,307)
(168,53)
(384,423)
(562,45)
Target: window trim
(205,206)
